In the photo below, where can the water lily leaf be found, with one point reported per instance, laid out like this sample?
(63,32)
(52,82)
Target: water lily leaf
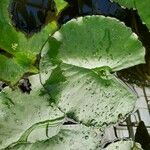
(124,145)
(17,43)
(87,97)
(21,113)
(71,137)
(141,6)
(93,42)
(80,60)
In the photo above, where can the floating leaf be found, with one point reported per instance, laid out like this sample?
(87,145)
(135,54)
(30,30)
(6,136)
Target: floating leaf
(80,59)
(107,43)
(21,113)
(141,6)
(73,137)
(87,97)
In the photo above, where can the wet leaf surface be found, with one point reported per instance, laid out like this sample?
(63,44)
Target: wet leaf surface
(76,68)
(21,113)
(71,137)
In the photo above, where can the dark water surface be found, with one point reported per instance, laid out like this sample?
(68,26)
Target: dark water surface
(91,7)
(30,16)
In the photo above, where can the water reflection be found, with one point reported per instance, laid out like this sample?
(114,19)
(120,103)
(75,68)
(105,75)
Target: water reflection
(30,16)
(92,7)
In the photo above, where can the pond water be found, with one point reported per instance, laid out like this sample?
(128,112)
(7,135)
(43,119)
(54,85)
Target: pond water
(30,16)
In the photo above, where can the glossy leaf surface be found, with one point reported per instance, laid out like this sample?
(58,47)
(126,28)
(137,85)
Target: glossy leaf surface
(94,42)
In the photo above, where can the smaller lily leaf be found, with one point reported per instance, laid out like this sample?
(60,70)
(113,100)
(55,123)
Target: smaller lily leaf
(21,113)
(124,145)
(73,137)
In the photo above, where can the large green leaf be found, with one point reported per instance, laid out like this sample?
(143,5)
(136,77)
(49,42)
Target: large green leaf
(86,96)
(93,42)
(17,44)
(73,137)
(141,5)
(21,113)
(76,64)
(124,145)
